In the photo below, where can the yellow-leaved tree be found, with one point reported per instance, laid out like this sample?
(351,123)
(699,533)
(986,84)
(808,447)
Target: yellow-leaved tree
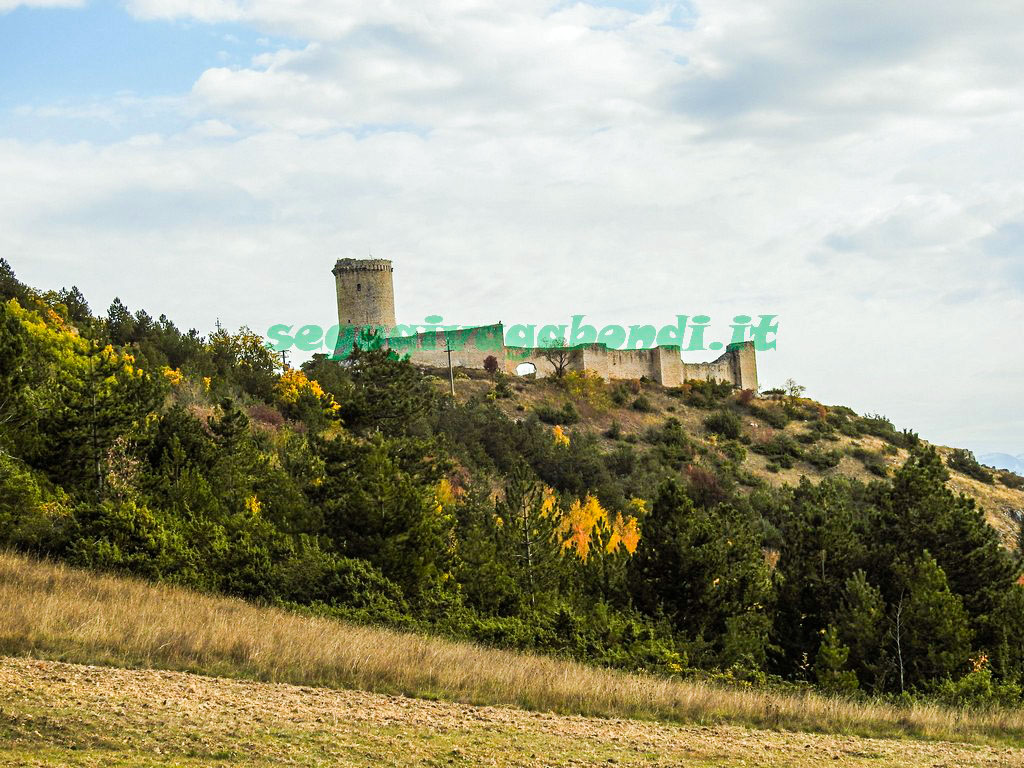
(300,396)
(84,395)
(587,527)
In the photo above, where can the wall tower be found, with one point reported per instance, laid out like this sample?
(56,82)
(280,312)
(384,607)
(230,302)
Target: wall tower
(366,294)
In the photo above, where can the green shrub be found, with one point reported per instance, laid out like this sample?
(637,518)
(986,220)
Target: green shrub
(312,575)
(822,460)
(672,445)
(620,394)
(872,461)
(879,426)
(502,388)
(1011,480)
(705,394)
(567,414)
(734,451)
(725,423)
(622,461)
(781,448)
(978,690)
(963,461)
(643,405)
(771,415)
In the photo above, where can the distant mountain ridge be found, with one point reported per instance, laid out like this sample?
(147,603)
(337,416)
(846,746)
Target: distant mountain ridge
(1004,461)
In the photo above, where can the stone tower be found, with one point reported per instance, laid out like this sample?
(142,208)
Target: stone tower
(366,295)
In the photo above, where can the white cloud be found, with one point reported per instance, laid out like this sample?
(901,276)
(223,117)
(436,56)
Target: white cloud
(199,10)
(9,5)
(853,168)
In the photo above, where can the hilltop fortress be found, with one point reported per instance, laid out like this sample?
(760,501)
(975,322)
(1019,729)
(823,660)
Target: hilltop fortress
(366,297)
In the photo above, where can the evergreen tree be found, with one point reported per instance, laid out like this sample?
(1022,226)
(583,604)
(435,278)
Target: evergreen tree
(701,568)
(527,536)
(862,624)
(821,545)
(920,513)
(375,511)
(383,393)
(929,627)
(120,323)
(830,664)
(11,287)
(13,344)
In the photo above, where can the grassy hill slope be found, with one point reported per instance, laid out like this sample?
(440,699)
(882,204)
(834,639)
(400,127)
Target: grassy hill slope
(1003,504)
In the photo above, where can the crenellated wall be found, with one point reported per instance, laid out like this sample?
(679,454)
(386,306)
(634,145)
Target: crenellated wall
(737,365)
(470,347)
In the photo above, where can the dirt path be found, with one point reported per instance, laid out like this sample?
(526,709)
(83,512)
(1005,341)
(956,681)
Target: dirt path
(66,714)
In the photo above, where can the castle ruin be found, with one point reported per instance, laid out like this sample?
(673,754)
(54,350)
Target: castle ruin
(365,293)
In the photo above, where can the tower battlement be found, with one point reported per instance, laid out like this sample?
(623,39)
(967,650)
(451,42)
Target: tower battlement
(362,265)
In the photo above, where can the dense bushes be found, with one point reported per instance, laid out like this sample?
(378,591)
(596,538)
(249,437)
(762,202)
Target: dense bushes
(567,414)
(1011,480)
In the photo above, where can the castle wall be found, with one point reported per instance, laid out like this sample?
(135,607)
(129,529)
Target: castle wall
(516,356)
(670,364)
(745,369)
(661,364)
(622,363)
(470,347)
(737,365)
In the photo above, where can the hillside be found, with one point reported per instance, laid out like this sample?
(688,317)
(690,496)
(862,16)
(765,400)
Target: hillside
(1003,505)
(618,524)
(66,713)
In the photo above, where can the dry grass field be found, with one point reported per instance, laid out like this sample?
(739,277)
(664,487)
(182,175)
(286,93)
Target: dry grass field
(52,612)
(56,714)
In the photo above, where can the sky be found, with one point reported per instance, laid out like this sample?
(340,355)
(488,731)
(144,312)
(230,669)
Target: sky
(854,168)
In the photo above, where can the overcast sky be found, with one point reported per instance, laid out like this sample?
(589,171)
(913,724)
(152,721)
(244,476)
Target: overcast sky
(854,167)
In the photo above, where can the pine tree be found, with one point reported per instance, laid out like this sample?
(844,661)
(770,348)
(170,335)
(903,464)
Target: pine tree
(920,513)
(861,624)
(929,627)
(120,323)
(529,534)
(830,666)
(703,569)
(821,537)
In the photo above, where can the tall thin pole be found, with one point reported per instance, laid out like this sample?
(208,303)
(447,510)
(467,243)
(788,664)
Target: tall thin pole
(451,371)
